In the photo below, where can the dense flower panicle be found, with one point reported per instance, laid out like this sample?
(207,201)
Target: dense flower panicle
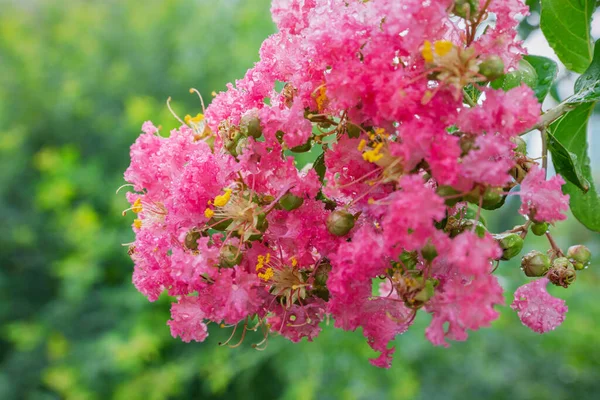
(543,199)
(400,164)
(537,309)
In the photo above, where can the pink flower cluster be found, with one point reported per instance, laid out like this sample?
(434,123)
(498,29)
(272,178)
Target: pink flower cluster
(229,225)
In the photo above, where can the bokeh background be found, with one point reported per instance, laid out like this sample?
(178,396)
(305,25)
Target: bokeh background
(77,79)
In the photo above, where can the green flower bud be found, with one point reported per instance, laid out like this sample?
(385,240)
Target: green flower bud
(492,68)
(580,256)
(511,244)
(535,264)
(290,202)
(562,262)
(539,229)
(250,126)
(525,73)
(191,239)
(230,257)
(340,222)
(279,136)
(465,8)
(492,198)
(429,252)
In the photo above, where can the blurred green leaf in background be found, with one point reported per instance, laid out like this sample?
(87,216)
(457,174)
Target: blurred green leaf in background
(77,79)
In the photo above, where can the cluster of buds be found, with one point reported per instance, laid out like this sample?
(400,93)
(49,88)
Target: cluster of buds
(405,155)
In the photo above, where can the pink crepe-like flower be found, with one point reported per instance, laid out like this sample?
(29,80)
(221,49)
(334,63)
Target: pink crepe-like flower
(537,309)
(463,305)
(543,200)
(409,219)
(187,320)
(507,113)
(490,162)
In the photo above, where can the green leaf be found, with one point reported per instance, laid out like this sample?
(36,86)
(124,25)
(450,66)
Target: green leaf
(587,86)
(566,25)
(571,131)
(319,166)
(546,70)
(566,164)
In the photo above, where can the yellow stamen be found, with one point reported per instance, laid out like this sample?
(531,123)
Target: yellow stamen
(208,213)
(373,155)
(137,223)
(213,93)
(137,206)
(362,144)
(268,259)
(223,199)
(427,52)
(442,47)
(294,261)
(268,274)
(193,120)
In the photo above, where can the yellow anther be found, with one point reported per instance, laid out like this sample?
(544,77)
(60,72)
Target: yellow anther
(362,144)
(137,223)
(442,47)
(268,259)
(373,155)
(427,52)
(371,200)
(294,261)
(194,120)
(213,93)
(223,199)
(268,274)
(137,206)
(260,263)
(208,213)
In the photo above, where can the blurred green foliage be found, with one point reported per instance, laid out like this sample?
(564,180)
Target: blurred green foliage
(77,79)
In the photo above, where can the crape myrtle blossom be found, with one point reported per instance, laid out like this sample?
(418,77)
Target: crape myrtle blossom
(402,164)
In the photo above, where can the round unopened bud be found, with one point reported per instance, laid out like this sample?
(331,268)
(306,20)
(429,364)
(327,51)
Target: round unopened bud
(230,256)
(521,145)
(580,256)
(340,222)
(492,68)
(535,263)
(561,262)
(561,276)
(290,202)
(539,229)
(465,8)
(524,74)
(429,252)
(191,239)
(511,244)
(492,198)
(250,126)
